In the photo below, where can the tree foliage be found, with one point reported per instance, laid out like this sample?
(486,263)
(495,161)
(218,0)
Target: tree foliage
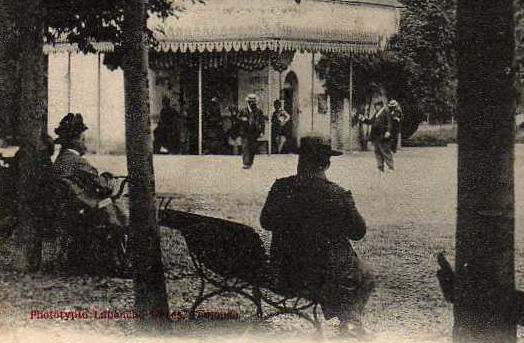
(424,50)
(418,69)
(519,50)
(84,22)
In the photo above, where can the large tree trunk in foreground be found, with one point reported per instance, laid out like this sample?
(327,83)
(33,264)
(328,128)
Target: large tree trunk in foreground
(8,69)
(150,289)
(485,289)
(31,118)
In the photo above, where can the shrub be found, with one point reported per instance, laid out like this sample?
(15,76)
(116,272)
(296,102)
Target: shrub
(432,135)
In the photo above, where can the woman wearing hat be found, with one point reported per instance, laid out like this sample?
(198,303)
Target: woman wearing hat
(312,222)
(90,189)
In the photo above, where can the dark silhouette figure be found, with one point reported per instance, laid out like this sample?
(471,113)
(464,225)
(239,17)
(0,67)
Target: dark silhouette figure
(167,132)
(312,221)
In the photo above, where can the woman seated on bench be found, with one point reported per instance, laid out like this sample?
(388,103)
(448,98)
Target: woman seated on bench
(90,189)
(312,221)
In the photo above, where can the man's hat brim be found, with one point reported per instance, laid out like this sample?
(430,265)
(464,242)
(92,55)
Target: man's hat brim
(316,146)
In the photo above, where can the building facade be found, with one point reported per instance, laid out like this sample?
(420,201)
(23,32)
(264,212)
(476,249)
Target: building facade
(220,52)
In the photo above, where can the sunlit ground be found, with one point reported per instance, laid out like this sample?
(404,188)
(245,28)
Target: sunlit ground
(410,214)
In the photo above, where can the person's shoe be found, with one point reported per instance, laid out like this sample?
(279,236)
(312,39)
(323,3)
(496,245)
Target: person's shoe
(246,167)
(381,168)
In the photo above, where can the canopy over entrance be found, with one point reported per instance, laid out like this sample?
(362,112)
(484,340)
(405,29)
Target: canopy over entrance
(360,26)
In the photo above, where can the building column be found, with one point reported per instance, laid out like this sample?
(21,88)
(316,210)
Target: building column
(69,80)
(200,107)
(99,103)
(312,91)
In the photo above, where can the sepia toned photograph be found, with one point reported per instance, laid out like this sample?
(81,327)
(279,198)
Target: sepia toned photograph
(261,171)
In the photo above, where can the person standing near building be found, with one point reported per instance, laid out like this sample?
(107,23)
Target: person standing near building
(167,132)
(396,114)
(212,128)
(312,221)
(381,134)
(280,127)
(251,125)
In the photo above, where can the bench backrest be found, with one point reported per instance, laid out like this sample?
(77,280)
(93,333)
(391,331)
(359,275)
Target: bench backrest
(225,247)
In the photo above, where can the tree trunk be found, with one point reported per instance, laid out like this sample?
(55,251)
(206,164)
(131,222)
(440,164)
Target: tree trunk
(485,289)
(8,70)
(150,289)
(30,119)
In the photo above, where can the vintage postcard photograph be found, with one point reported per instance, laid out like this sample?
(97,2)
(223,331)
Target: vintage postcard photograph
(261,171)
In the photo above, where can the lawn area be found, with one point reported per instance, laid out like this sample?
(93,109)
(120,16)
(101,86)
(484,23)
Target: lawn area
(410,214)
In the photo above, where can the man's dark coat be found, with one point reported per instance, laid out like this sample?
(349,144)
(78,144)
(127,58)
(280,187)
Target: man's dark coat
(312,222)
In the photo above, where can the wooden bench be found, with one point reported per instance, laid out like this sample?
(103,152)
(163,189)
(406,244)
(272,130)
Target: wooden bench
(229,257)
(74,239)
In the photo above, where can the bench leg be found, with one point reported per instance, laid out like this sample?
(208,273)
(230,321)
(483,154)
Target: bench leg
(199,300)
(257,295)
(317,323)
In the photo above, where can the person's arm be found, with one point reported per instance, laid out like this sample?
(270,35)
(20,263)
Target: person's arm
(345,218)
(272,213)
(102,184)
(356,221)
(79,194)
(389,130)
(261,127)
(287,117)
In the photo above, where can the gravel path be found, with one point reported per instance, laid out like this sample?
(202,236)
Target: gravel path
(410,213)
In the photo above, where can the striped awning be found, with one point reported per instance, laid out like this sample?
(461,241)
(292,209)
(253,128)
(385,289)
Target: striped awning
(329,26)
(362,26)
(62,46)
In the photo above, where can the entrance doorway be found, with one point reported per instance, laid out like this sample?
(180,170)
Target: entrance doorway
(219,95)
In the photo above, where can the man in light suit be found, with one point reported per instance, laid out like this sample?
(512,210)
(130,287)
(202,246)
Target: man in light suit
(251,122)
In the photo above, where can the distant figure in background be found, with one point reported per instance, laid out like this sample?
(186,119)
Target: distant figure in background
(312,221)
(397,116)
(230,124)
(182,124)
(280,128)
(363,122)
(167,132)
(251,125)
(213,133)
(381,133)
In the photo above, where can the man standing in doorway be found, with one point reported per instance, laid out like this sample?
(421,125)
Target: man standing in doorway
(251,126)
(281,127)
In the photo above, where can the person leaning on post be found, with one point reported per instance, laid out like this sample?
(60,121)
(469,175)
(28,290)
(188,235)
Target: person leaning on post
(312,221)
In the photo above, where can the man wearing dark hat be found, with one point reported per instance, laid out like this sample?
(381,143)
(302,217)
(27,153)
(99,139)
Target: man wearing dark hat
(251,126)
(312,220)
(90,188)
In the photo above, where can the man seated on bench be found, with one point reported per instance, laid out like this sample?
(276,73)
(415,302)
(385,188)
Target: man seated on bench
(90,189)
(312,221)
